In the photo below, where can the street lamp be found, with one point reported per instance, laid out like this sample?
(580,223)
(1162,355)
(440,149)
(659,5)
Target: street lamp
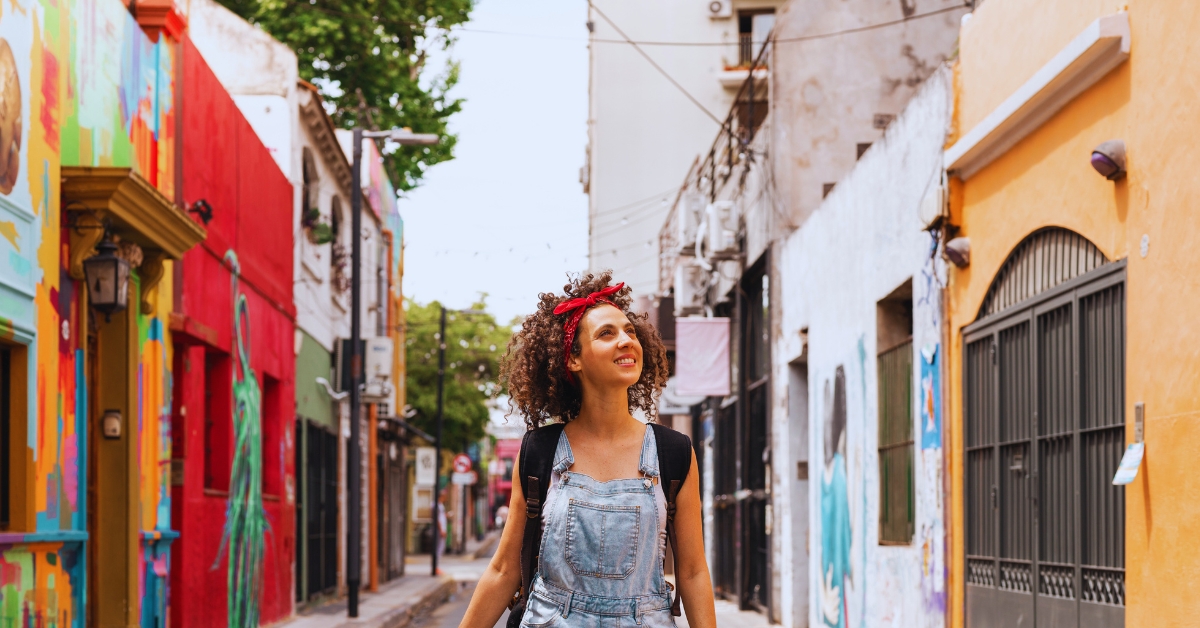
(354,473)
(437,439)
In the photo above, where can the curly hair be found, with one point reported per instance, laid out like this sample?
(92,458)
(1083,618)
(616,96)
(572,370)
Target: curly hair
(532,366)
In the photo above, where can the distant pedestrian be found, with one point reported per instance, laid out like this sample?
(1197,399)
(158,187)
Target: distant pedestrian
(443,528)
(501,515)
(603,490)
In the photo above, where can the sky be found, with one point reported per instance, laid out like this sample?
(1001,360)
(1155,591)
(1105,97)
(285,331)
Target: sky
(507,216)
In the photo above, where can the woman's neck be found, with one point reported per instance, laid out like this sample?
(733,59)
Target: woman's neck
(605,412)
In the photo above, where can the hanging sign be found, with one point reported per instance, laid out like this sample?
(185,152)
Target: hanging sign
(426,466)
(465,479)
(1129,464)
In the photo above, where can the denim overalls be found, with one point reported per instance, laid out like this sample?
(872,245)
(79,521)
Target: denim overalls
(601,560)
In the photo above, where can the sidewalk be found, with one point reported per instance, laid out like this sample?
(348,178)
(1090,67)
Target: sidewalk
(728,616)
(398,602)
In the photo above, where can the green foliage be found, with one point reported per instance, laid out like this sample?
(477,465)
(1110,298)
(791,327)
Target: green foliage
(474,344)
(367,57)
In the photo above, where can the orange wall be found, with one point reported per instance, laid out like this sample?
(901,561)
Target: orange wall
(1150,102)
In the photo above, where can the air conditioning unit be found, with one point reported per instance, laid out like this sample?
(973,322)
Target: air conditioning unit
(722,230)
(691,285)
(691,212)
(378,372)
(720,9)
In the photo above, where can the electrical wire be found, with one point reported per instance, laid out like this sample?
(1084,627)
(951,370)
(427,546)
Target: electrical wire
(638,48)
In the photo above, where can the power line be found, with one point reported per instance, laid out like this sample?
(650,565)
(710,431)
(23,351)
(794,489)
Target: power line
(656,66)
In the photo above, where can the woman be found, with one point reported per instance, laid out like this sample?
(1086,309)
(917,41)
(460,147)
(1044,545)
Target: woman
(586,360)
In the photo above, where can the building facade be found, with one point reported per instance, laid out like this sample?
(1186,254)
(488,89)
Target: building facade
(1073,303)
(91,159)
(235,323)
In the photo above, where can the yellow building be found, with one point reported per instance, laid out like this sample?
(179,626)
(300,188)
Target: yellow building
(1076,312)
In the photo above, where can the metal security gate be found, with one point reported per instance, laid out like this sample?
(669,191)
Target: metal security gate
(1044,416)
(321,510)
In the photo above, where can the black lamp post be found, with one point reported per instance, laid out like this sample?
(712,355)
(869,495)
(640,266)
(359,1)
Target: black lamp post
(354,462)
(107,279)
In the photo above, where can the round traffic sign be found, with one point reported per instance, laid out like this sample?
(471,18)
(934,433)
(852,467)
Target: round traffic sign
(462,463)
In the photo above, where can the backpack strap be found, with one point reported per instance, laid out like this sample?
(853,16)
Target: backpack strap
(537,463)
(674,463)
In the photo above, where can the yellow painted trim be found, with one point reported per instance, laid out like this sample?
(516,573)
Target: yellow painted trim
(139,211)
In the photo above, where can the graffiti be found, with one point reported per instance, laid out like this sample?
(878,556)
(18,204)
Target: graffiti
(40,586)
(836,532)
(245,518)
(931,405)
(10,119)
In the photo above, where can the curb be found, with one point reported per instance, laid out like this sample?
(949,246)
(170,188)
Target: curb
(486,546)
(402,616)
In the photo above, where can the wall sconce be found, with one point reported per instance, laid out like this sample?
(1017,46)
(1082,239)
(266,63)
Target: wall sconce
(110,424)
(958,251)
(1109,159)
(202,209)
(107,279)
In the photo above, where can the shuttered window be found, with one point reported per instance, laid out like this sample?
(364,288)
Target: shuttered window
(896,501)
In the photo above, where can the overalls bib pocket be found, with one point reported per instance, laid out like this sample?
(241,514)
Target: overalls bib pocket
(602,540)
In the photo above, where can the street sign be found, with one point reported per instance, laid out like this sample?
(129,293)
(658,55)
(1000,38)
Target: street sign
(462,463)
(465,479)
(426,466)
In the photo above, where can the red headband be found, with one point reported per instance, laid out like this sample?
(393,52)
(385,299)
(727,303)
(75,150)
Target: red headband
(578,307)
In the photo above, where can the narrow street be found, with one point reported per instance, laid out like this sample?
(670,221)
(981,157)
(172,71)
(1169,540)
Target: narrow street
(467,573)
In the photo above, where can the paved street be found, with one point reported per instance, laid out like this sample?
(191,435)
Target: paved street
(466,573)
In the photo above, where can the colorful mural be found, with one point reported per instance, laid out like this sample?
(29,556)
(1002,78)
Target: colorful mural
(837,534)
(245,519)
(80,84)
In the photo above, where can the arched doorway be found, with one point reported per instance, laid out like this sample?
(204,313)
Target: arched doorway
(1044,399)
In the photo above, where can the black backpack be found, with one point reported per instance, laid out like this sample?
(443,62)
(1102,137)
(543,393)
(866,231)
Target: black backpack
(537,463)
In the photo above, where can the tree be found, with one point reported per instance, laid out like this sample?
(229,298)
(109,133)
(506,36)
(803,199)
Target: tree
(474,344)
(367,57)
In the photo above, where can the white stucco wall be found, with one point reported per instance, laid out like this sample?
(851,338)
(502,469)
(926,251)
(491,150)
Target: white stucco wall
(643,133)
(863,242)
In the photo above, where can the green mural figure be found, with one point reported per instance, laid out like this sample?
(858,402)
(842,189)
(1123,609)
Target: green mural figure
(245,518)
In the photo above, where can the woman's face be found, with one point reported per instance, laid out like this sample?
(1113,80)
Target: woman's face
(610,354)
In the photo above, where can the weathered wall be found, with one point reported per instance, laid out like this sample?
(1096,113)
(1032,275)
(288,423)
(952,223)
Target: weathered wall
(1046,180)
(826,92)
(862,243)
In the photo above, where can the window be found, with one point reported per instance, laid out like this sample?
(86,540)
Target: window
(894,321)
(5,420)
(338,259)
(218,420)
(310,214)
(272,437)
(753,28)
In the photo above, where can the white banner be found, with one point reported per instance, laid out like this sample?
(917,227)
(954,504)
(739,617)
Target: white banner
(426,466)
(701,356)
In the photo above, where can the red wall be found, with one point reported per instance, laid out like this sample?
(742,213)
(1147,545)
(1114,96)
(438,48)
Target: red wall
(225,164)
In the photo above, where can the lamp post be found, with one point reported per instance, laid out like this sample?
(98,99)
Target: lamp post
(354,462)
(437,438)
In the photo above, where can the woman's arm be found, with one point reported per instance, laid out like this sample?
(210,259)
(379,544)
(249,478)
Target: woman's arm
(502,577)
(691,567)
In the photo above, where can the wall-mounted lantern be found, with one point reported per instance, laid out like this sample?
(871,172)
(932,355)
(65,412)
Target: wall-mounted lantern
(1109,159)
(107,279)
